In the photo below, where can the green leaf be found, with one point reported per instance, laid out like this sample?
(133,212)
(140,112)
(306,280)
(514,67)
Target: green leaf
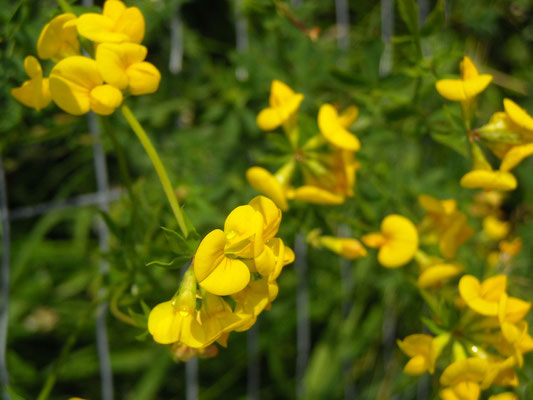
(459,143)
(409,14)
(179,245)
(140,319)
(432,326)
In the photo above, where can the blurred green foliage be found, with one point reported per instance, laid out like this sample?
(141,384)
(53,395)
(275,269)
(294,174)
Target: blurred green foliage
(202,120)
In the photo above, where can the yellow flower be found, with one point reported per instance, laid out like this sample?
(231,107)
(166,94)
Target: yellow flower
(216,317)
(34,93)
(435,274)
(489,180)
(515,155)
(466,88)
(315,195)
(59,39)
(123,66)
(397,241)
(273,258)
(463,378)
(116,24)
(483,297)
(77,86)
(500,372)
(333,127)
(251,301)
(216,272)
(346,247)
(283,105)
(175,320)
(449,224)
(263,181)
(518,115)
(423,350)
(494,228)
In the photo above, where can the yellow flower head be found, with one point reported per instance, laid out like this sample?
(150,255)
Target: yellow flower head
(466,88)
(434,275)
(423,350)
(489,180)
(484,297)
(515,156)
(273,258)
(77,86)
(251,301)
(216,317)
(263,181)
(283,105)
(116,24)
(346,247)
(518,115)
(494,228)
(397,241)
(463,378)
(334,127)
(34,93)
(123,66)
(59,38)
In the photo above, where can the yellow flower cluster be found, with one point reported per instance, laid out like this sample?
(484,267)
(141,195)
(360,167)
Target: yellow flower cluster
(78,83)
(508,134)
(326,161)
(242,261)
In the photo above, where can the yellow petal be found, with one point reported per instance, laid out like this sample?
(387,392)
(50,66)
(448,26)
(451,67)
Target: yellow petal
(348,116)
(32,67)
(401,241)
(482,298)
(333,131)
(438,273)
(269,119)
(494,228)
(504,396)
(417,344)
(271,215)
(515,156)
(518,115)
(474,86)
(416,366)
(489,180)
(58,40)
(263,181)
(143,78)
(34,93)
(105,99)
(469,369)
(164,323)
(131,23)
(280,93)
(99,29)
(468,69)
(244,232)
(451,89)
(114,59)
(316,195)
(346,247)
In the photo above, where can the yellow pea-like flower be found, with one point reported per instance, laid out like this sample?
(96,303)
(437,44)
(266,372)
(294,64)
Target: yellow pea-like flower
(216,272)
(515,156)
(334,127)
(243,231)
(283,105)
(59,38)
(77,86)
(273,258)
(483,297)
(346,247)
(489,180)
(271,215)
(35,92)
(436,274)
(518,115)
(123,66)
(397,241)
(423,351)
(463,378)
(216,317)
(116,24)
(263,181)
(494,228)
(253,300)
(466,88)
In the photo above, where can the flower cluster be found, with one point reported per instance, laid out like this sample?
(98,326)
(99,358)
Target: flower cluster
(508,134)
(78,83)
(239,266)
(324,163)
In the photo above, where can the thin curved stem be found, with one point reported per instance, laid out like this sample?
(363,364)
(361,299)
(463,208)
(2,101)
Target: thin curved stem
(158,165)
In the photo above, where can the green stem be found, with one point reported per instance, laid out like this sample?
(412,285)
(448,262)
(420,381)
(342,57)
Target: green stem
(158,165)
(65,6)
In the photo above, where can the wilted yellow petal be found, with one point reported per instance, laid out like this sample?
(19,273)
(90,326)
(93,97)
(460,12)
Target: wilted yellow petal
(334,132)
(263,181)
(58,41)
(489,180)
(518,115)
(346,247)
